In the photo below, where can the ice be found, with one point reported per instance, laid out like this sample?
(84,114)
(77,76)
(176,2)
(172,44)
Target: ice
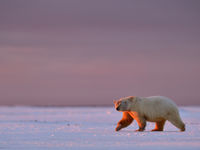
(53,128)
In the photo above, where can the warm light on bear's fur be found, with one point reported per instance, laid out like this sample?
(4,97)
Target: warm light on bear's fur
(154,109)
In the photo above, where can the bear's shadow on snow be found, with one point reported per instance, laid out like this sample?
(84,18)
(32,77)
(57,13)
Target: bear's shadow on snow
(148,131)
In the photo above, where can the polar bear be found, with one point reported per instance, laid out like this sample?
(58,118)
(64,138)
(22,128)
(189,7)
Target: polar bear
(154,109)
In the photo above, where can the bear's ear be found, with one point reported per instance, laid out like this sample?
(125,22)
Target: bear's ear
(131,98)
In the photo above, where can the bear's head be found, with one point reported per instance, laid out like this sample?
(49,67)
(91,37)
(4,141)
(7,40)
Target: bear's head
(125,104)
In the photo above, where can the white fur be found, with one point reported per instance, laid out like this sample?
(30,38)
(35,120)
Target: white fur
(154,109)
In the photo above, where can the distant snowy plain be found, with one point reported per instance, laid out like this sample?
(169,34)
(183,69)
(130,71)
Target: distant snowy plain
(82,128)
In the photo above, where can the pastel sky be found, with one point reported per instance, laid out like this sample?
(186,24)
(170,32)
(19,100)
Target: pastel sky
(75,52)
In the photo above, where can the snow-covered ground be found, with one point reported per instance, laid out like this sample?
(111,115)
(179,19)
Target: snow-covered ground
(54,128)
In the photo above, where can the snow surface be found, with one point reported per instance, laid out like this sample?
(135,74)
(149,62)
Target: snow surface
(53,128)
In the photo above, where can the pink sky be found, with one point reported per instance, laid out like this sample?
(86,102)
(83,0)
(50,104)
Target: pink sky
(91,52)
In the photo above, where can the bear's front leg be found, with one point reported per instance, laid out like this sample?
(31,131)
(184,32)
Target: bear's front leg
(124,122)
(141,123)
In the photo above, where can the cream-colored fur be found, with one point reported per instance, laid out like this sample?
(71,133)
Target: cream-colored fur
(154,109)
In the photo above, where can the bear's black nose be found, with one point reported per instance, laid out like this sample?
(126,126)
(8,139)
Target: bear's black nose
(117,108)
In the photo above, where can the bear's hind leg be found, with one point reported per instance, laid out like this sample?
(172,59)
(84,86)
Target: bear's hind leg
(177,122)
(124,122)
(159,126)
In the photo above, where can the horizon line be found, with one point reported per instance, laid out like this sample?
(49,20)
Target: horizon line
(13,105)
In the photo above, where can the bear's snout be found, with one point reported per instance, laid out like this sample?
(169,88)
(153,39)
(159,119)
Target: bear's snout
(117,108)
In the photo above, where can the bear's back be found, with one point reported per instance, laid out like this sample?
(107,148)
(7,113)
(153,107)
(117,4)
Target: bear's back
(159,99)
(157,106)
